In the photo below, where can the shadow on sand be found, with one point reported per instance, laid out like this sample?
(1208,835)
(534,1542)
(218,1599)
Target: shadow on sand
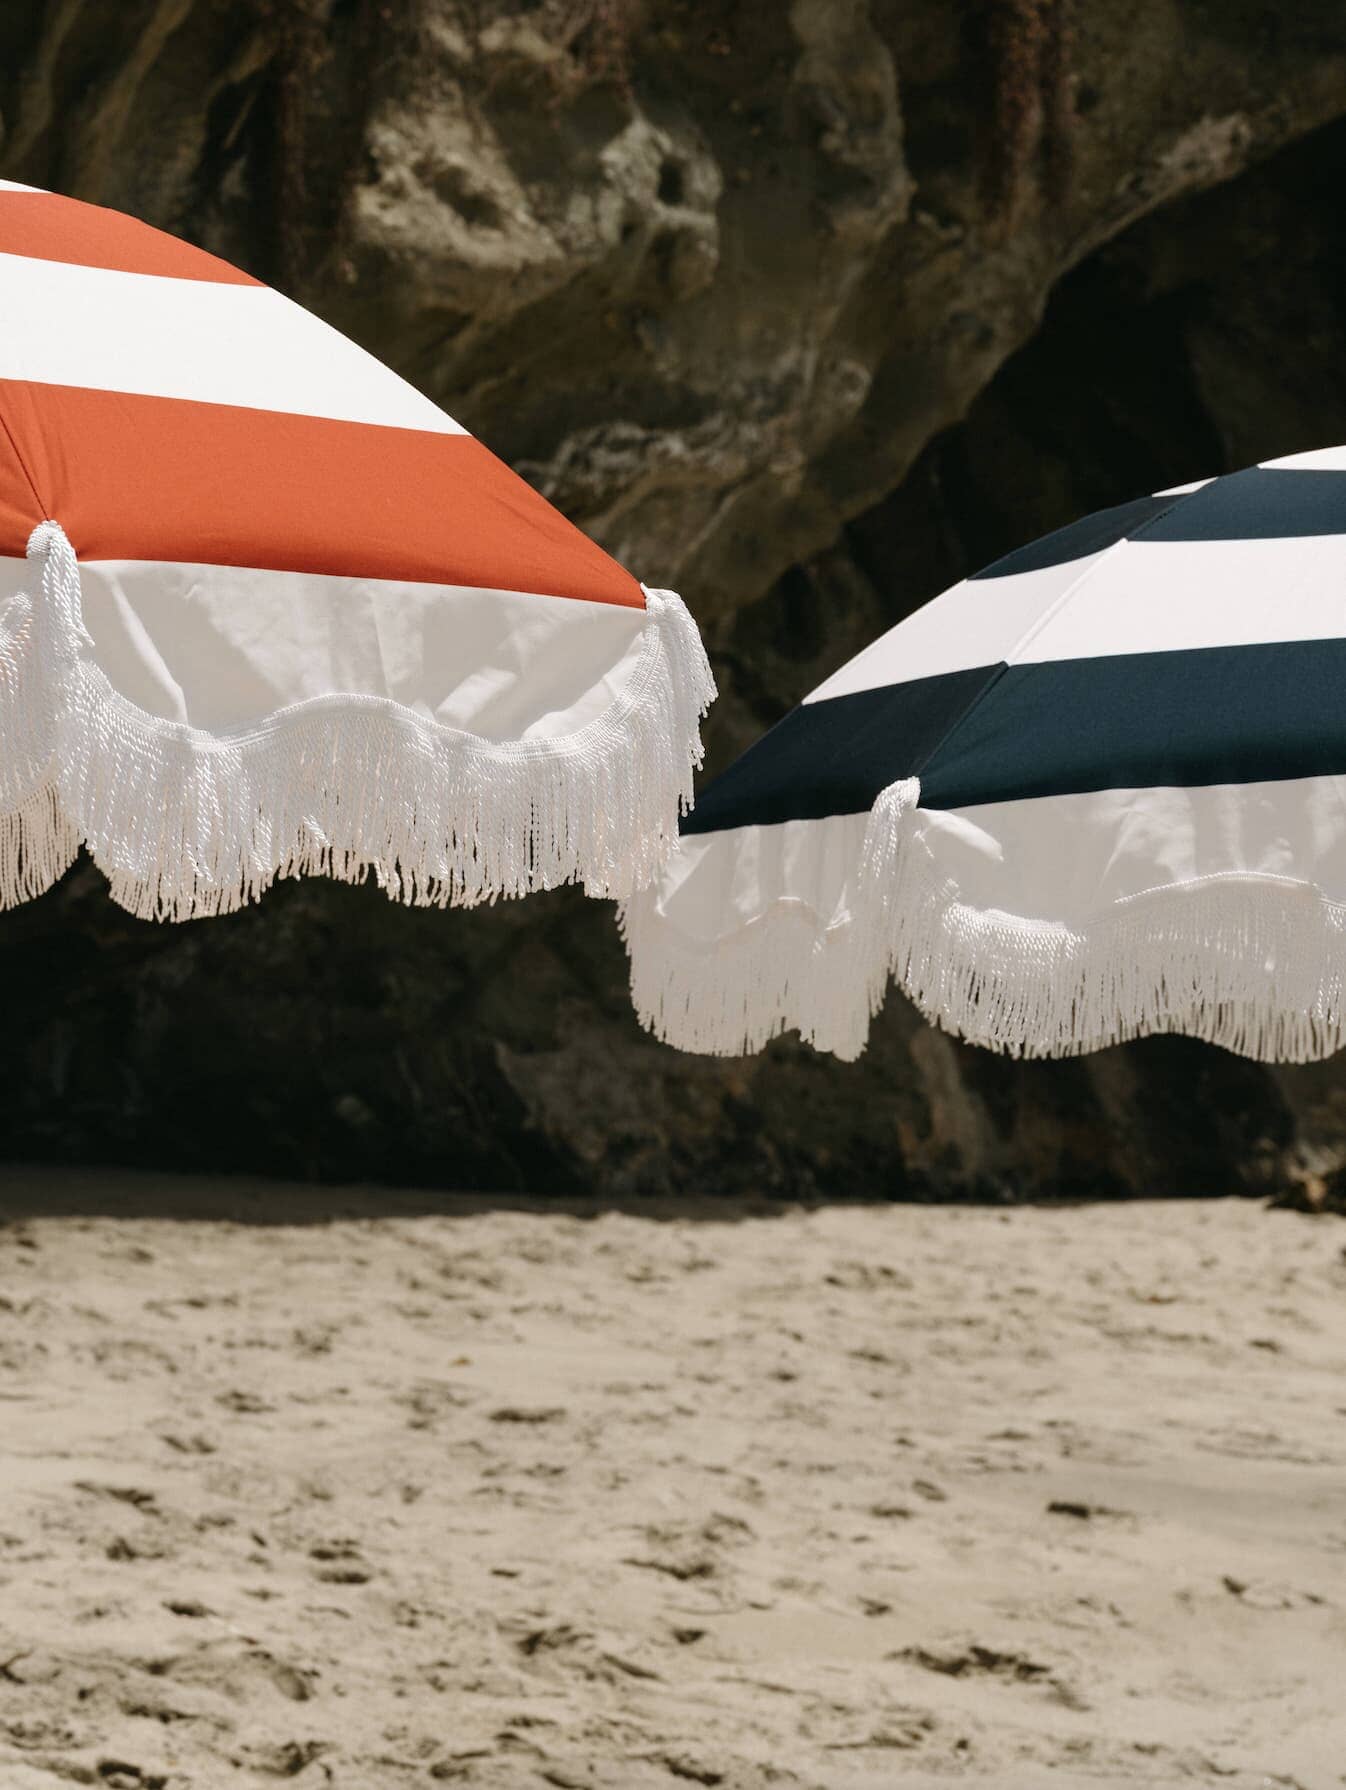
(32,1191)
(43,1190)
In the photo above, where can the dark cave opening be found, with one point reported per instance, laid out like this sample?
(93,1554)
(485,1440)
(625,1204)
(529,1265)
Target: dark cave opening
(1209,336)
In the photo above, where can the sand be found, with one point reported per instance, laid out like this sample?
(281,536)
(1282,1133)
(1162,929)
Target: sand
(441,1492)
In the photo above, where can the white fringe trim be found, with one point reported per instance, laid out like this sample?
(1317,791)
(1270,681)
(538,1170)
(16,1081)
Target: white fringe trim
(1254,963)
(185,823)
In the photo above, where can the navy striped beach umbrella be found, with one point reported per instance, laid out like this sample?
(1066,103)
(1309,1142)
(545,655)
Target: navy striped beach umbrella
(1097,790)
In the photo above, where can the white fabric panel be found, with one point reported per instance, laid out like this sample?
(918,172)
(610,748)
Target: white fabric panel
(220,649)
(1065,859)
(16,186)
(977,622)
(62,324)
(1071,858)
(1043,927)
(715,883)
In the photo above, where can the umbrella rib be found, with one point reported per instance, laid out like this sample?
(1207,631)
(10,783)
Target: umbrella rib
(1082,578)
(21,463)
(1037,626)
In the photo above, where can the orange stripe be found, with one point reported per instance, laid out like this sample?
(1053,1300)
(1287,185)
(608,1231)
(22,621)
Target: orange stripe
(133,477)
(48,227)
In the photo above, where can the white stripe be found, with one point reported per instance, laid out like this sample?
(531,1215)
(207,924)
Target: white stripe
(63,324)
(1136,597)
(1174,596)
(220,647)
(978,622)
(1328,459)
(1184,490)
(15,186)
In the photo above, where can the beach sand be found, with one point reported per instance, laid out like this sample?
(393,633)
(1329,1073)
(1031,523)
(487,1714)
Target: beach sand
(443,1491)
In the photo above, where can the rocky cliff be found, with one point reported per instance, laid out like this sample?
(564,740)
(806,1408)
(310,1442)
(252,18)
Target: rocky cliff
(802,309)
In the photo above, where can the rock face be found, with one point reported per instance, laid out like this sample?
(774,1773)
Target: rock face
(803,310)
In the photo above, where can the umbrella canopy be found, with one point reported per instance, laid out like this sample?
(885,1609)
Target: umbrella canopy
(1092,792)
(265,609)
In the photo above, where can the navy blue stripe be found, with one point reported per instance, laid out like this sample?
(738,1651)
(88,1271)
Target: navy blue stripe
(1225,714)
(1265,503)
(823,758)
(1091,534)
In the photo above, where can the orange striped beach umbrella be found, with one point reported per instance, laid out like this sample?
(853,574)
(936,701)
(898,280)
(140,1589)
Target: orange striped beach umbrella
(266,610)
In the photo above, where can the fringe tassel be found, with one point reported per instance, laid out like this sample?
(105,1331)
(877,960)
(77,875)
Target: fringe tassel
(37,846)
(186,823)
(37,842)
(1256,964)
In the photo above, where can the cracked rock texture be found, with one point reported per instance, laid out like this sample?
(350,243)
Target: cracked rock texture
(802,309)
